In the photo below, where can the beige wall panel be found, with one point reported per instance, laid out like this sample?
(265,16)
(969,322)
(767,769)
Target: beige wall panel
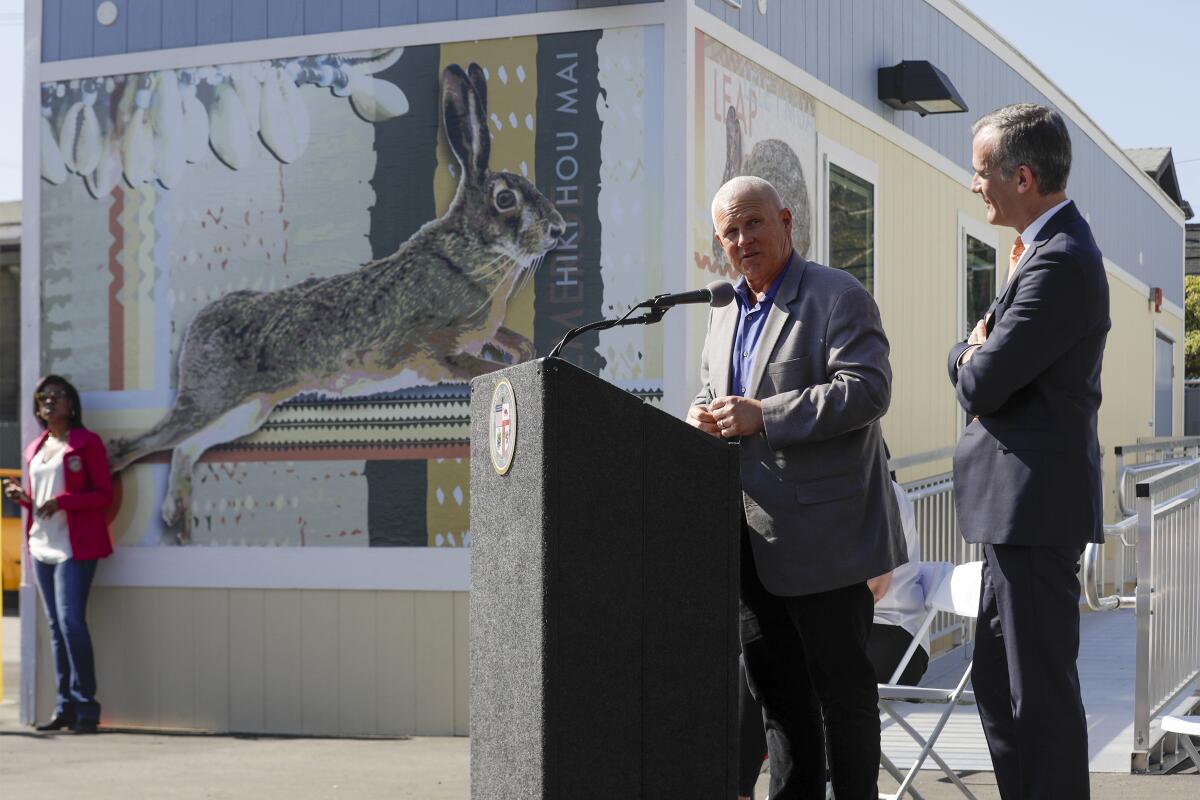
(395,614)
(137,623)
(434,646)
(319,662)
(247,673)
(44,699)
(112,688)
(282,637)
(358,674)
(174,652)
(210,620)
(462,664)
(1127,380)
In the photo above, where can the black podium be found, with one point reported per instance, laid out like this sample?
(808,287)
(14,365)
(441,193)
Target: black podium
(604,578)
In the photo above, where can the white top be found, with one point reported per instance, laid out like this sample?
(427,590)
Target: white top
(1029,235)
(49,541)
(904,603)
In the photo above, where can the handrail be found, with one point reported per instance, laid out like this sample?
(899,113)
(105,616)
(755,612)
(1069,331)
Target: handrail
(1164,443)
(917,459)
(1089,570)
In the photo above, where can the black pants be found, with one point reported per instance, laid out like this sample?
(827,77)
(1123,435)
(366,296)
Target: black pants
(1025,678)
(885,648)
(806,661)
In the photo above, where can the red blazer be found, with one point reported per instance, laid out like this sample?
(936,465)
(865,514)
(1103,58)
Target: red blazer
(87,493)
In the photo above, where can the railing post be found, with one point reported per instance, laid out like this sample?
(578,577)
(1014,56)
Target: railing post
(1142,593)
(1119,463)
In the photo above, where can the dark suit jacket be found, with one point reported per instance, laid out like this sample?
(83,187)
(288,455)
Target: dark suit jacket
(818,499)
(1027,471)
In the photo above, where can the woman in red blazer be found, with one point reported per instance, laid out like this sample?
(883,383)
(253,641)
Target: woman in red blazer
(69,487)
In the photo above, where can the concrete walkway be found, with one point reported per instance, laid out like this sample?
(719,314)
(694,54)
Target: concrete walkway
(185,767)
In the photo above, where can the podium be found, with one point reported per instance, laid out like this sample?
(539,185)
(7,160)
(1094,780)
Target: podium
(603,605)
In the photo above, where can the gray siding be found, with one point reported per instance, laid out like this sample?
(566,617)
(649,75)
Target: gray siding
(843,42)
(70,30)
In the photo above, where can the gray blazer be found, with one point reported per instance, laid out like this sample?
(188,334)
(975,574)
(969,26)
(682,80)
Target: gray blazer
(815,483)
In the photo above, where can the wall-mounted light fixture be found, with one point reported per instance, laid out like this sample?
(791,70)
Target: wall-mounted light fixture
(919,86)
(1156,298)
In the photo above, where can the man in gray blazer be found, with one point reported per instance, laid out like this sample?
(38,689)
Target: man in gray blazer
(797,372)
(1027,468)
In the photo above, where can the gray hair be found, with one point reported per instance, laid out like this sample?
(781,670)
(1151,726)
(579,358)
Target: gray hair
(1032,135)
(745,185)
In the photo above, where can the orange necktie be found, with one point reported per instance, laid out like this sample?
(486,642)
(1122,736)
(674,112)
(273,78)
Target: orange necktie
(1014,257)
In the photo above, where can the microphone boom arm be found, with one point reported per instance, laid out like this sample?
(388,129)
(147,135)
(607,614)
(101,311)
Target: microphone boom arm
(654,314)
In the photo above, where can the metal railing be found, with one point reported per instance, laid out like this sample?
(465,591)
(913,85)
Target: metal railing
(1167,597)
(937,527)
(1144,460)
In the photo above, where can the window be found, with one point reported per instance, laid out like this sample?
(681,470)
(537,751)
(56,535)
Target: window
(848,191)
(980,276)
(979,273)
(852,225)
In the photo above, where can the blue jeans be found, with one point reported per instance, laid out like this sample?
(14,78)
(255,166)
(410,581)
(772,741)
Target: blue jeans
(64,588)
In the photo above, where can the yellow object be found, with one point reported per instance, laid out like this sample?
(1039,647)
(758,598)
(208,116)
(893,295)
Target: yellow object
(10,543)
(10,556)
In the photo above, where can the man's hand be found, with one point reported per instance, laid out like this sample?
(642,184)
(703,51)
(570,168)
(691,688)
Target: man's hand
(47,509)
(701,417)
(979,332)
(737,416)
(975,340)
(879,586)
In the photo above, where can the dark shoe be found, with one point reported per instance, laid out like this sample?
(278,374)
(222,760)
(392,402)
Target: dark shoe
(85,726)
(57,723)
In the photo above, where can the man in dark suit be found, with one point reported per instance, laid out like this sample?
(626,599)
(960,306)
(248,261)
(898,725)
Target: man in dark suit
(1027,468)
(797,371)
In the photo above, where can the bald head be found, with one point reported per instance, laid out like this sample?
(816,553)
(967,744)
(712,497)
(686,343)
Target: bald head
(746,187)
(753,228)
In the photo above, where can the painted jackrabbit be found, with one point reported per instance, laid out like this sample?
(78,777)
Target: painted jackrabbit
(431,311)
(772,160)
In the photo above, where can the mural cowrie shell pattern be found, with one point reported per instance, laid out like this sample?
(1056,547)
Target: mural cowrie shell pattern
(284,124)
(228,129)
(166,120)
(54,169)
(79,138)
(375,100)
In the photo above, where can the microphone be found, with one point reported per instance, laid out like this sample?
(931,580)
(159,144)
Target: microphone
(716,294)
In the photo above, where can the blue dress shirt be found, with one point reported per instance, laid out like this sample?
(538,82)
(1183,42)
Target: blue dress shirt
(751,320)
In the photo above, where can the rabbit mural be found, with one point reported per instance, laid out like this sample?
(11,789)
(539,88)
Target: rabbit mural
(432,311)
(773,160)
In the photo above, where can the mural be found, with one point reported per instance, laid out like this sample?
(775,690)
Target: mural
(296,266)
(749,122)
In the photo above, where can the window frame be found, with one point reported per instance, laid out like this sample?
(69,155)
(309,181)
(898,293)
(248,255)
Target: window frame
(830,152)
(989,235)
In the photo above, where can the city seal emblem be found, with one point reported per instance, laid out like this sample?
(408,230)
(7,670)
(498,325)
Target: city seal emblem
(503,439)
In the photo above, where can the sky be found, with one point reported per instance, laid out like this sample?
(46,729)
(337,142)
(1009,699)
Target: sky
(1131,66)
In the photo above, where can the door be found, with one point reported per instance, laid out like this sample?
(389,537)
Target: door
(1164,382)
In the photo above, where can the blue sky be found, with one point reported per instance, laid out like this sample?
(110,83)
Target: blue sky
(1133,70)
(1131,66)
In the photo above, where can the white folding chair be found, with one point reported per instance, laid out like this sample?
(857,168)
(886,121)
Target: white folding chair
(1185,728)
(954,590)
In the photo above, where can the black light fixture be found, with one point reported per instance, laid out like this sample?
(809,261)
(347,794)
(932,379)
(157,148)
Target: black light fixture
(919,86)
